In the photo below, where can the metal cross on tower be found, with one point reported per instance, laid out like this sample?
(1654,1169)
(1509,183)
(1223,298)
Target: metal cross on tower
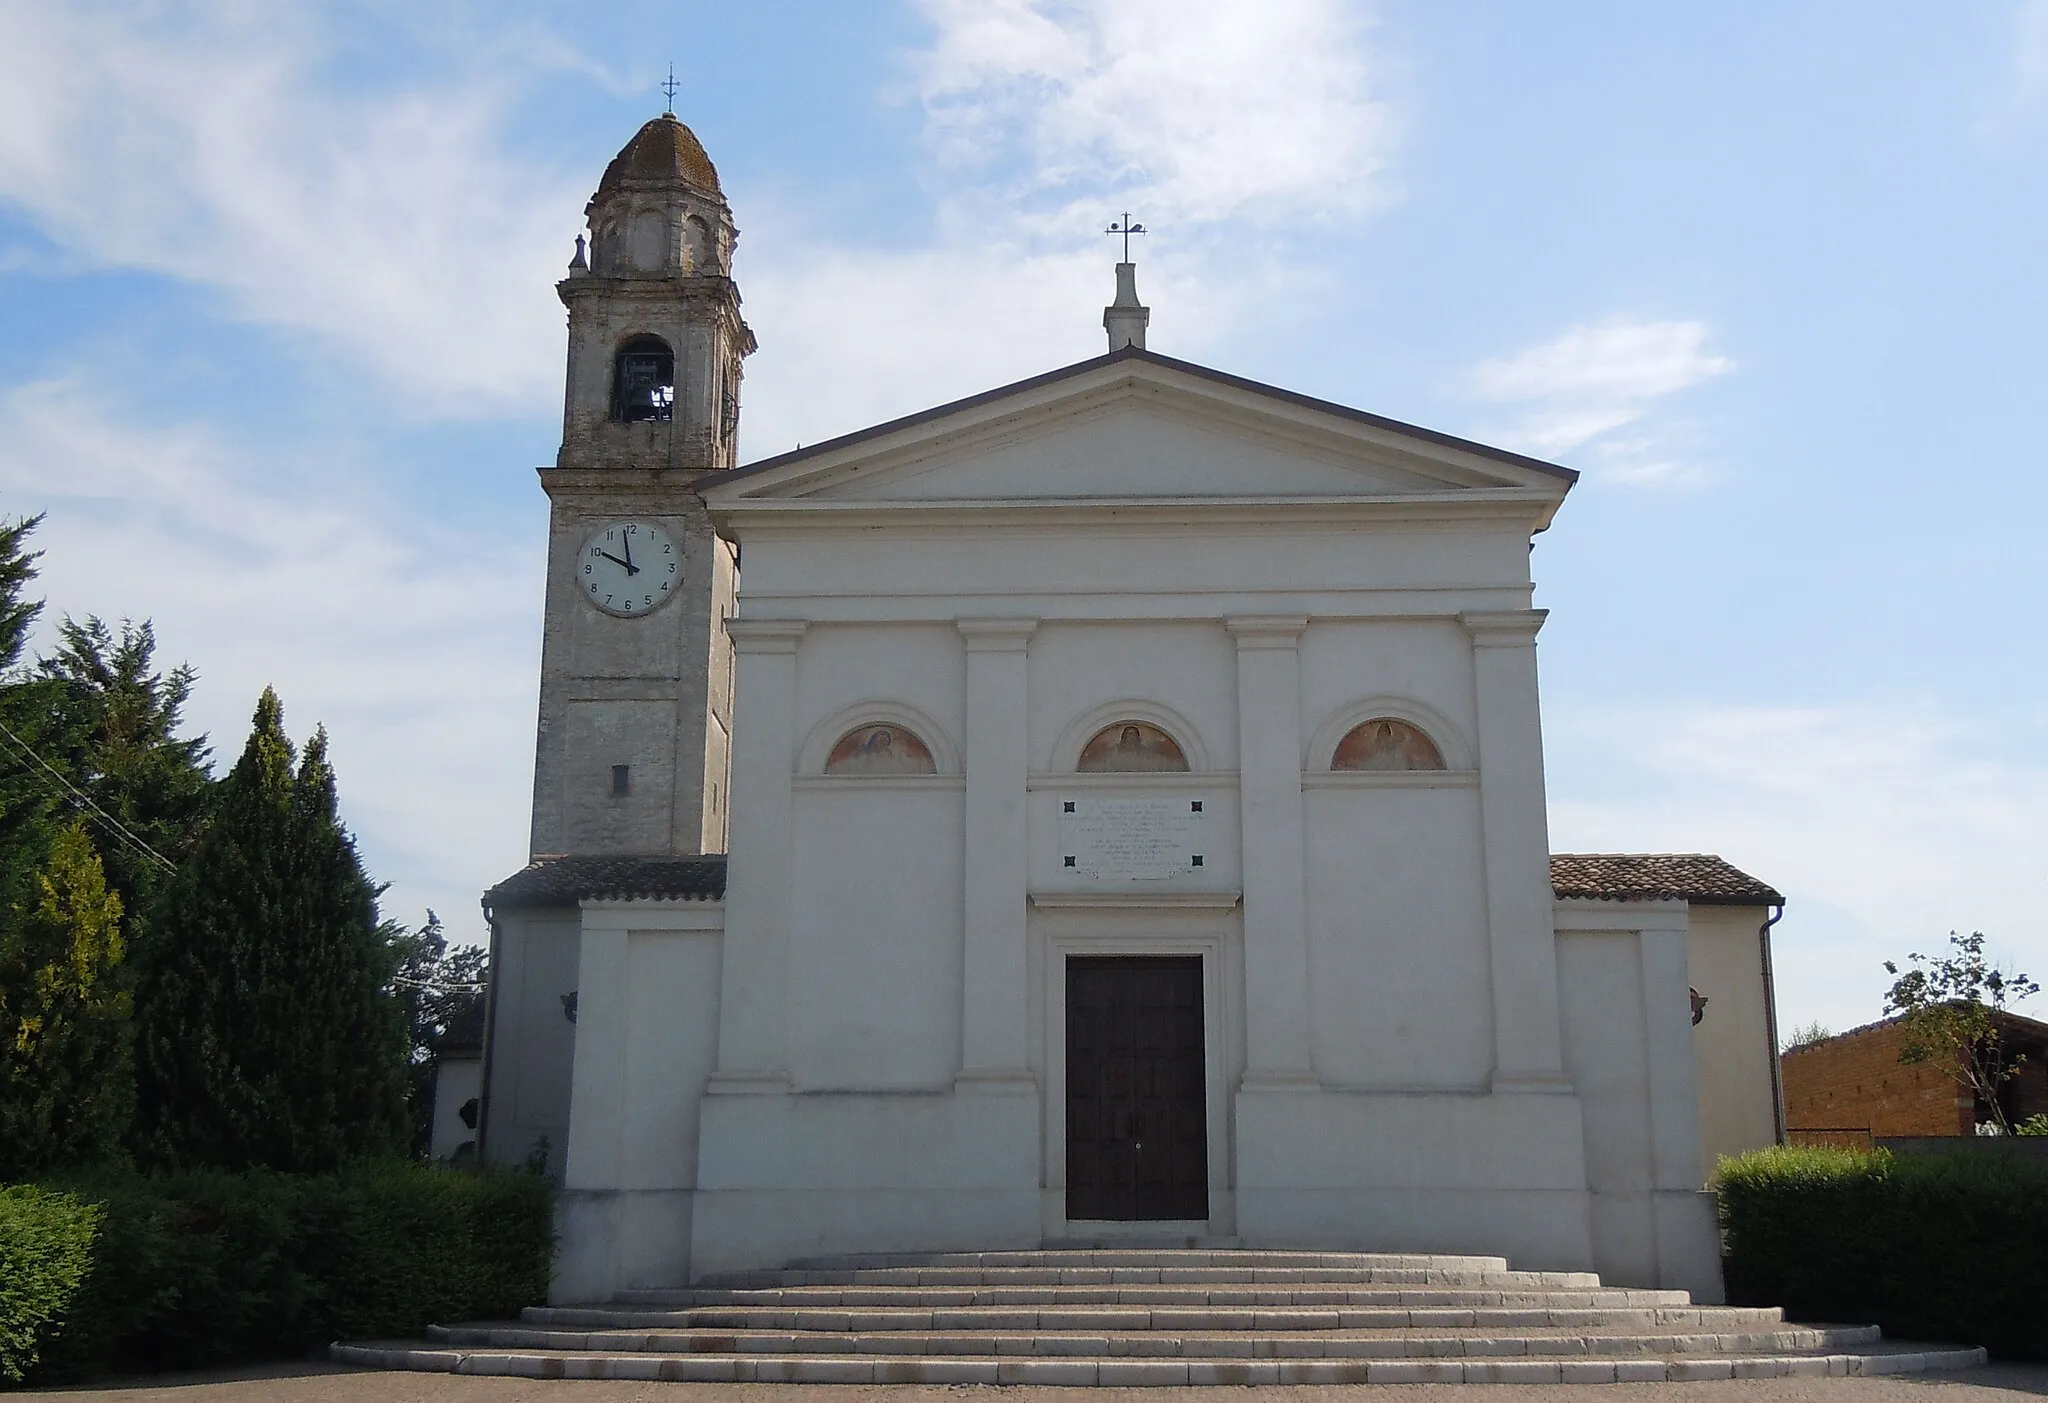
(1126,228)
(670,87)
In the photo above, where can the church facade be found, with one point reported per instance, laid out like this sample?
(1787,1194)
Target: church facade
(1109,808)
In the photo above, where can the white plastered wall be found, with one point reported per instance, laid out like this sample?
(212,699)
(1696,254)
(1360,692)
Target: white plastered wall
(965,582)
(532,1042)
(646,1038)
(1629,1050)
(1733,1041)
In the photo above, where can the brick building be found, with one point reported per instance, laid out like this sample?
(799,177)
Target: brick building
(1852,1088)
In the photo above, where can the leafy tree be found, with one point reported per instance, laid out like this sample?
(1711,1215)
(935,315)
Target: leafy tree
(1951,1007)
(442,991)
(67,1078)
(1807,1036)
(268,1034)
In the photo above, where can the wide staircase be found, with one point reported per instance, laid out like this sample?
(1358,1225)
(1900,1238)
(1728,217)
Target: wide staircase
(1182,1316)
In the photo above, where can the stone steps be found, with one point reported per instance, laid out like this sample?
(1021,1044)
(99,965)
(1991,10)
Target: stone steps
(1156,1344)
(1248,1296)
(1111,1317)
(1203,1315)
(986,1369)
(1147,1276)
(1152,1257)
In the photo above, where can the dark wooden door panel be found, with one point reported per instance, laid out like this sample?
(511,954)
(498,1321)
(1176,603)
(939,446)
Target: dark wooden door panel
(1137,1103)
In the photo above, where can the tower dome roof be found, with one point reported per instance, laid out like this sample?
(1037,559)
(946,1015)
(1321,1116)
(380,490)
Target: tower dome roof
(664,149)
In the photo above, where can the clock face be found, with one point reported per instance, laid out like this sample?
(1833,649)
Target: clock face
(629,567)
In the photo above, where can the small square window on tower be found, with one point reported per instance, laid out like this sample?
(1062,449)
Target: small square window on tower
(622,780)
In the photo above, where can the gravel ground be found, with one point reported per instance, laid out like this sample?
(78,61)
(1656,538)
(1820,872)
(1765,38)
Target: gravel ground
(329,1383)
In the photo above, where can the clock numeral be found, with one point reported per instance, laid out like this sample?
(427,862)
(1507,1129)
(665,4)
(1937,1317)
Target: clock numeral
(671,567)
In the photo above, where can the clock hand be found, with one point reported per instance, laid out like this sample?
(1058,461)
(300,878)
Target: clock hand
(631,568)
(616,561)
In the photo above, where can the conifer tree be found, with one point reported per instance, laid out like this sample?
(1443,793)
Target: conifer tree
(31,798)
(67,1081)
(114,732)
(17,569)
(268,1035)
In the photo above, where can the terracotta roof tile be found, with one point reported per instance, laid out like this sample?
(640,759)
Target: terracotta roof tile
(1700,878)
(558,881)
(663,150)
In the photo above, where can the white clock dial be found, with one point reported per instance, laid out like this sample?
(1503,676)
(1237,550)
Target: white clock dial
(629,567)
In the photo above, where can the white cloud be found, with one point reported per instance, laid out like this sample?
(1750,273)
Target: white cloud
(1885,826)
(2012,105)
(1207,119)
(1195,112)
(203,142)
(1596,378)
(213,143)
(1616,361)
(209,142)
(407,643)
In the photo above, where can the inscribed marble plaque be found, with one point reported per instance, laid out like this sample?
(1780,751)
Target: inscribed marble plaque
(1132,840)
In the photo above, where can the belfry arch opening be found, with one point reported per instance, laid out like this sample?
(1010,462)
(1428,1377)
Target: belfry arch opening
(643,381)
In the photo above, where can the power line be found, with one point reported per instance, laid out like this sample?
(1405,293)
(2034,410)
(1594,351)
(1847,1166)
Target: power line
(79,796)
(436,986)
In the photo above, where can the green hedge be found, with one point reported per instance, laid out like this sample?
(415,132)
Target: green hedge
(214,1268)
(1933,1247)
(45,1252)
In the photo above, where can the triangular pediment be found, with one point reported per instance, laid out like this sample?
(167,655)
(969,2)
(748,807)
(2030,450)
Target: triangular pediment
(1134,426)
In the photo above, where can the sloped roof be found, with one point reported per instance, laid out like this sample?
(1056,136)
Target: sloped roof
(561,881)
(2015,1025)
(1700,878)
(1139,354)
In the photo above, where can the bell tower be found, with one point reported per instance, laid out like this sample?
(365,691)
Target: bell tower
(635,690)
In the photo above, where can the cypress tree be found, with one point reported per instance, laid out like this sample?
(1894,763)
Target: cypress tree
(31,800)
(268,1035)
(67,1082)
(115,723)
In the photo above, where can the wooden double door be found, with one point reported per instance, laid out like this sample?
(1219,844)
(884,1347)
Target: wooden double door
(1137,1095)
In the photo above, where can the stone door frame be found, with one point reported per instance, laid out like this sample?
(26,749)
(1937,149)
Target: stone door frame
(1075,928)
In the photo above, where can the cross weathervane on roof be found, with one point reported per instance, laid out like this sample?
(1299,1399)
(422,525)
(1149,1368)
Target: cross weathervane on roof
(1126,228)
(670,87)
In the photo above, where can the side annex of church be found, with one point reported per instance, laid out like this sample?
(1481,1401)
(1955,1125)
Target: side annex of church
(1109,808)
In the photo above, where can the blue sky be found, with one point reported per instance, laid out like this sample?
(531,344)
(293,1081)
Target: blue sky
(279,351)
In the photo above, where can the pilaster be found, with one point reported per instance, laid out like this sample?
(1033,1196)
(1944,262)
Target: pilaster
(994,1024)
(1277,1047)
(753,1006)
(1528,1051)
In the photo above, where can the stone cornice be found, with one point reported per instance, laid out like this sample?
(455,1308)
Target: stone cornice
(1253,631)
(996,635)
(1503,628)
(1181,899)
(765,635)
(1134,515)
